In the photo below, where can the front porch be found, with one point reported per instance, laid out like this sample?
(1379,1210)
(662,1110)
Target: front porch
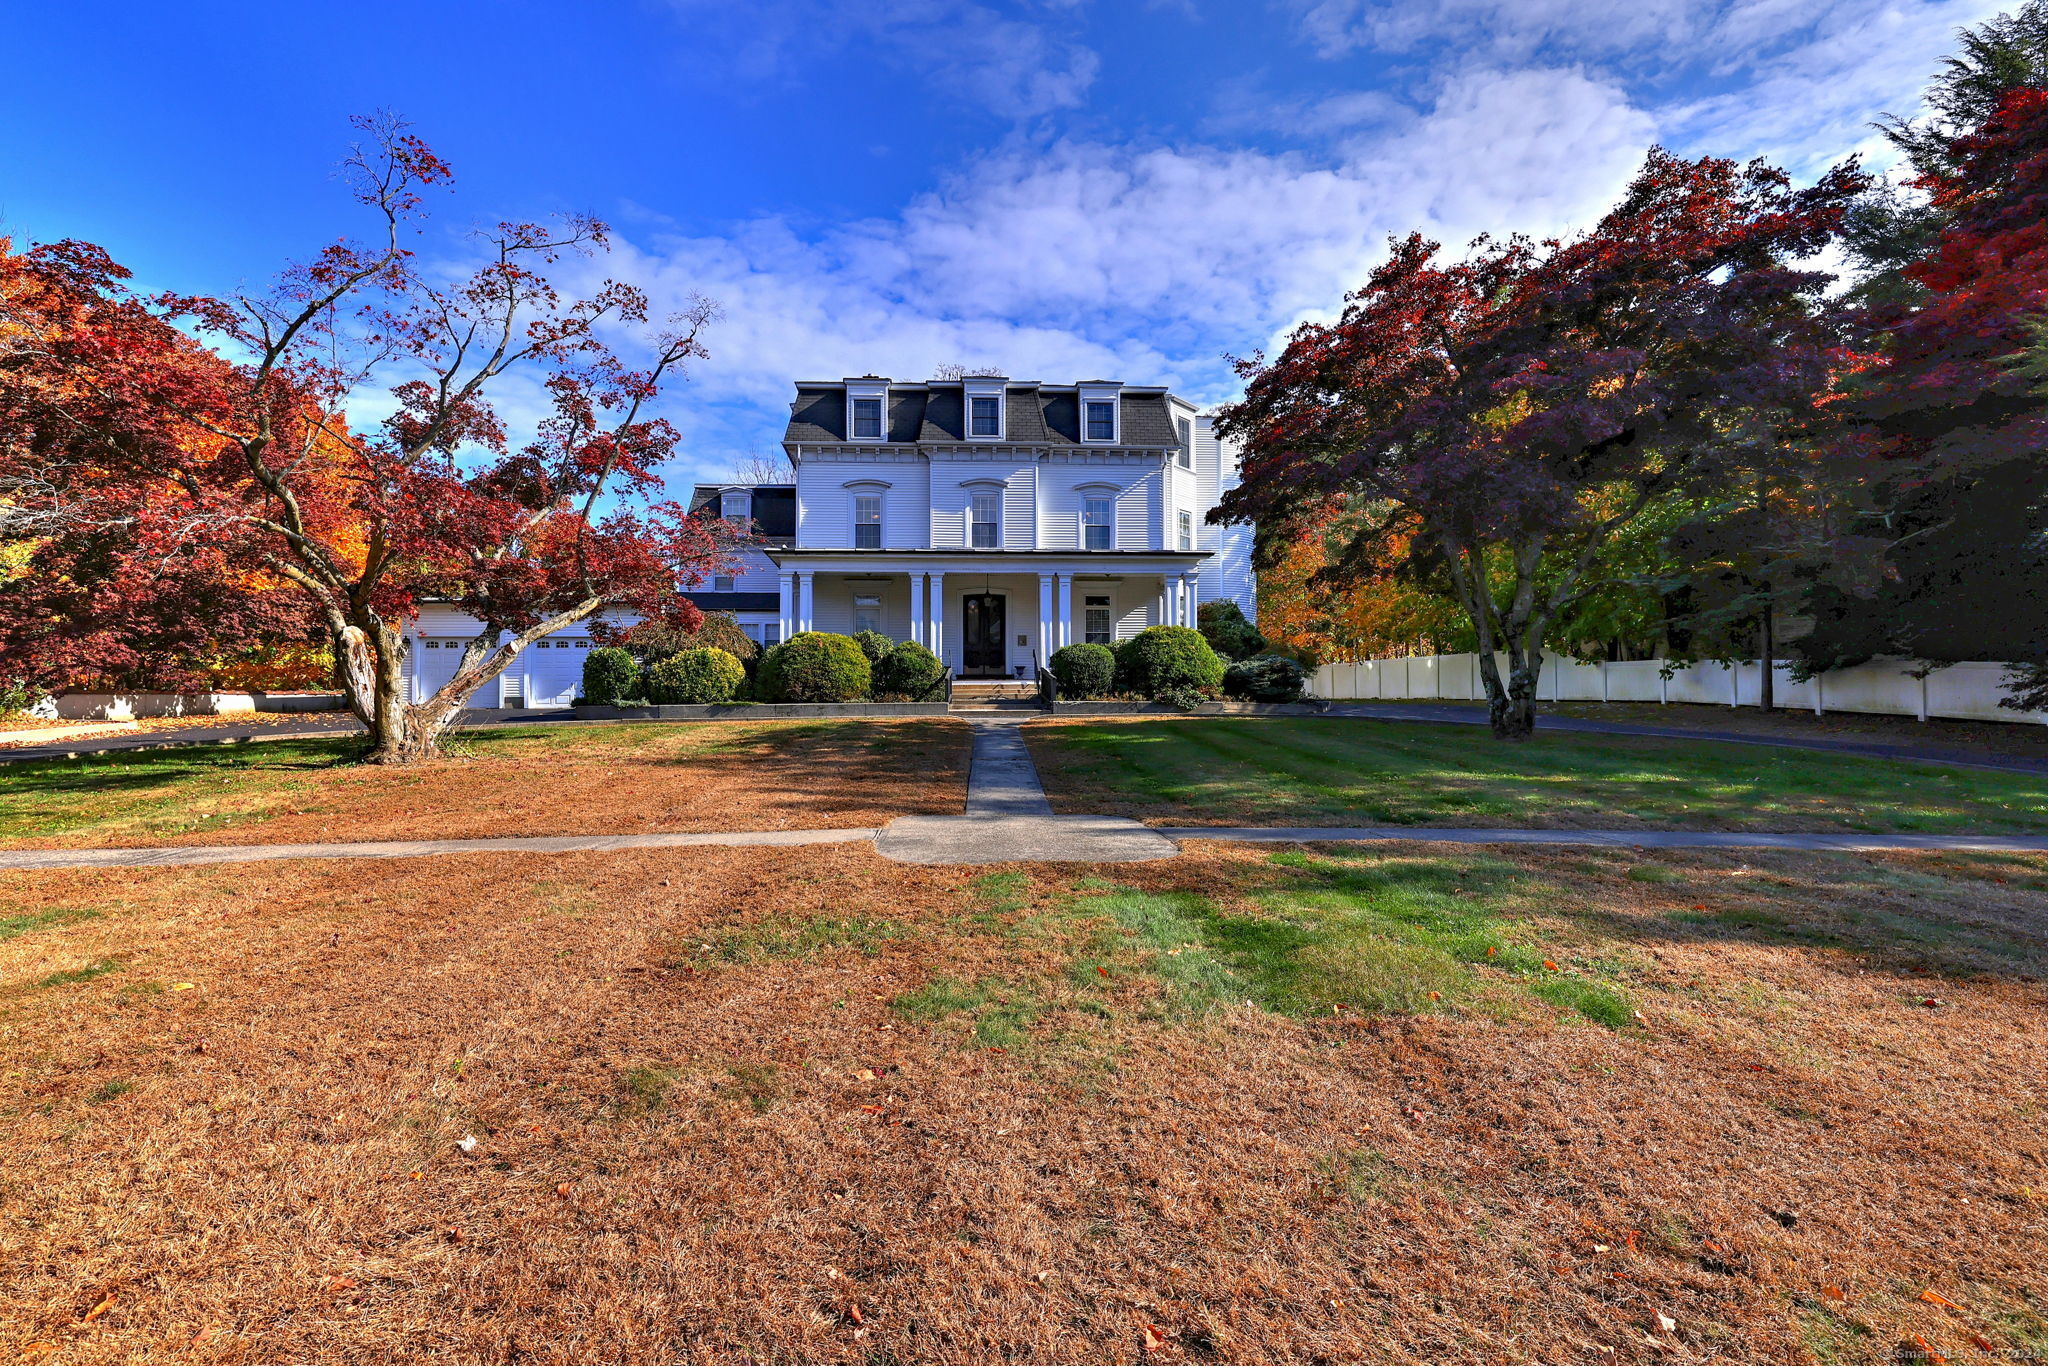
(988,614)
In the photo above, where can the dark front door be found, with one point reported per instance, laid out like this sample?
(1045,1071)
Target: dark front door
(981,629)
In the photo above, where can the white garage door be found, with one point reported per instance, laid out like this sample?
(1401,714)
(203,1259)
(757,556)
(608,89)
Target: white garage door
(554,670)
(435,663)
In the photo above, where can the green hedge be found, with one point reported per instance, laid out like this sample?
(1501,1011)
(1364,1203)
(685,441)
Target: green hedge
(1175,659)
(816,666)
(1265,678)
(1084,671)
(1224,626)
(874,645)
(696,678)
(610,676)
(910,670)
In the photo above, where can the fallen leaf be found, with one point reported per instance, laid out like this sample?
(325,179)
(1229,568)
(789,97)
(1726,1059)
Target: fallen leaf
(1549,966)
(1933,1297)
(199,1338)
(102,1307)
(853,1312)
(37,1349)
(1104,971)
(340,1283)
(1666,1324)
(181,986)
(1833,1292)
(1926,1347)
(467,1143)
(1491,950)
(1155,1341)
(1436,995)
(564,1190)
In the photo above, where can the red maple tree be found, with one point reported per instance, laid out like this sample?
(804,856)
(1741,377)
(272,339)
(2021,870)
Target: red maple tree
(248,458)
(1524,405)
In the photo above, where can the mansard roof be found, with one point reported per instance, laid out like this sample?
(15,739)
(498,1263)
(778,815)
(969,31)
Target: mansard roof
(935,414)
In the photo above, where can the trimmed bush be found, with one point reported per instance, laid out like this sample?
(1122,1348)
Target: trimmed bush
(1223,625)
(1162,659)
(910,670)
(610,676)
(874,645)
(1265,678)
(696,678)
(815,666)
(1084,671)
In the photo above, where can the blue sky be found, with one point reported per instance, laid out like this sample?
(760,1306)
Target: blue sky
(1061,188)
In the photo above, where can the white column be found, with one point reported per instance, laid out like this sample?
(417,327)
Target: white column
(1045,628)
(917,582)
(937,618)
(806,599)
(1187,600)
(786,625)
(1066,591)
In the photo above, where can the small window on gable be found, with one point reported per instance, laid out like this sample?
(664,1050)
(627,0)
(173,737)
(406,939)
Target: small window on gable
(867,419)
(1098,522)
(1101,421)
(721,583)
(736,505)
(1098,625)
(985,518)
(985,417)
(867,521)
(867,612)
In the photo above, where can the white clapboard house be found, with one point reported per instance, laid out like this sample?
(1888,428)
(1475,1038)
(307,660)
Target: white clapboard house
(992,519)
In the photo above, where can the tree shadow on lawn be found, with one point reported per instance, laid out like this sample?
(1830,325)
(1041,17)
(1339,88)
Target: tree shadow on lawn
(1284,771)
(1419,931)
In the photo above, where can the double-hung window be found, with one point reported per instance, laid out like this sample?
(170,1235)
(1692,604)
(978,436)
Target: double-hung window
(1101,421)
(1097,626)
(1186,529)
(1186,454)
(736,505)
(1098,524)
(867,419)
(985,521)
(984,418)
(867,612)
(867,521)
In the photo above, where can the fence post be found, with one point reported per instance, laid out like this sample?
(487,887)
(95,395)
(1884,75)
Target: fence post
(1603,678)
(1820,683)
(1923,697)
(1735,684)
(1663,684)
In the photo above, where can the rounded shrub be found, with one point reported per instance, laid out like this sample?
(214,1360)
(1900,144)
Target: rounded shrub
(911,671)
(1084,671)
(815,666)
(1265,678)
(696,678)
(610,676)
(1162,659)
(874,645)
(1223,625)
(654,641)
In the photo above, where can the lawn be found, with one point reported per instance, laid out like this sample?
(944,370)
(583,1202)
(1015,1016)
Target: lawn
(1306,771)
(542,780)
(1411,1103)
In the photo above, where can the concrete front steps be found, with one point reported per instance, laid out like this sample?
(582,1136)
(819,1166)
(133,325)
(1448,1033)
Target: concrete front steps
(993,695)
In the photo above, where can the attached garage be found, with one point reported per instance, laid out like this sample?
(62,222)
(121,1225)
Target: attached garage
(554,670)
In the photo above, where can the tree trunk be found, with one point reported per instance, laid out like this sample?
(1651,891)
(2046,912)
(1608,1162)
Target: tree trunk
(1767,647)
(1511,702)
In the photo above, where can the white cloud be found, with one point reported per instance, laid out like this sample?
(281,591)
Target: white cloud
(1016,62)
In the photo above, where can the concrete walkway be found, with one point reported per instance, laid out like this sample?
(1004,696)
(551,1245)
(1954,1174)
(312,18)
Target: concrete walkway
(979,840)
(1009,820)
(183,854)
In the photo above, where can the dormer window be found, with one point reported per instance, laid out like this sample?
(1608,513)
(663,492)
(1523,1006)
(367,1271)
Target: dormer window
(867,419)
(985,416)
(736,505)
(1101,417)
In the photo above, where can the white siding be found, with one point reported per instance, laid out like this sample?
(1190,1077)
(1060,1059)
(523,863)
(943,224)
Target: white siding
(825,503)
(951,490)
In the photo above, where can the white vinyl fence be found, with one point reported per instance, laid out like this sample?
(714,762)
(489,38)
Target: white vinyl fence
(1968,691)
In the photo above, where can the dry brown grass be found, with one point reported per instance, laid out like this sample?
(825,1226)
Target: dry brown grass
(704,1135)
(544,781)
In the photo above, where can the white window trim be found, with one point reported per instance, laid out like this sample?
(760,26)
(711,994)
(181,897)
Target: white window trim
(997,389)
(985,488)
(878,390)
(746,497)
(856,492)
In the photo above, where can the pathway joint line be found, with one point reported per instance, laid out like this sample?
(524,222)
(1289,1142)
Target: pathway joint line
(1847,842)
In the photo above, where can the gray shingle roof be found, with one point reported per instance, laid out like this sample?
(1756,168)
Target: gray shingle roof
(934,414)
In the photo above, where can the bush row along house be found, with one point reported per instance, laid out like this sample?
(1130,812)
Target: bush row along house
(993,520)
